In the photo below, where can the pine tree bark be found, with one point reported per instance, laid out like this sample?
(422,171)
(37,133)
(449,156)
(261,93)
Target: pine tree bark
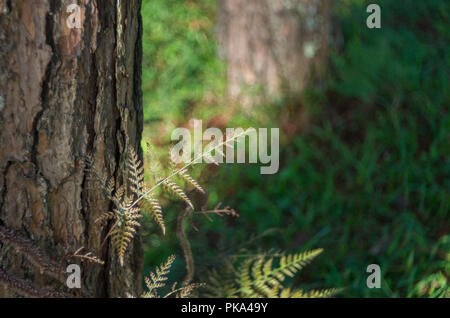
(271,47)
(66,93)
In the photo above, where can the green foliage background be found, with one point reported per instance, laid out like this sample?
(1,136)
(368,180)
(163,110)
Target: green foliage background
(180,64)
(368,182)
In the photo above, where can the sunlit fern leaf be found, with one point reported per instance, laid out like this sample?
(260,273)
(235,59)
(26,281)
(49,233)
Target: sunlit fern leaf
(184,174)
(152,207)
(129,205)
(126,217)
(259,276)
(290,264)
(325,293)
(287,293)
(221,284)
(300,293)
(118,195)
(187,177)
(174,189)
(110,186)
(126,212)
(136,178)
(244,279)
(158,278)
(122,236)
(117,198)
(135,171)
(186,291)
(107,216)
(260,287)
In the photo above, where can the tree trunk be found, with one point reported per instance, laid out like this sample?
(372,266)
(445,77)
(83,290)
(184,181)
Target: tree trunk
(66,93)
(271,46)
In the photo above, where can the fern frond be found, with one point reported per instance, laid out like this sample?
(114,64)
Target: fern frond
(152,206)
(122,237)
(89,257)
(221,284)
(245,281)
(294,262)
(324,293)
(175,189)
(125,215)
(300,293)
(162,181)
(135,171)
(119,195)
(158,279)
(107,216)
(260,276)
(126,218)
(136,177)
(265,276)
(185,291)
(110,186)
(187,177)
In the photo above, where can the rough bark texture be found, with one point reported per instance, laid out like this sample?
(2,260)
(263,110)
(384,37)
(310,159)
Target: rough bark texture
(271,46)
(66,93)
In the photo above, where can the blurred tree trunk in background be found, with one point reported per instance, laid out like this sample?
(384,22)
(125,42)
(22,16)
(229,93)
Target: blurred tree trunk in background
(271,46)
(66,93)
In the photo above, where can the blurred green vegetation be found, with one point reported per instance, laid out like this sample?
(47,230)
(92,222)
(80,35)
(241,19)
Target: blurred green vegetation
(368,181)
(180,65)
